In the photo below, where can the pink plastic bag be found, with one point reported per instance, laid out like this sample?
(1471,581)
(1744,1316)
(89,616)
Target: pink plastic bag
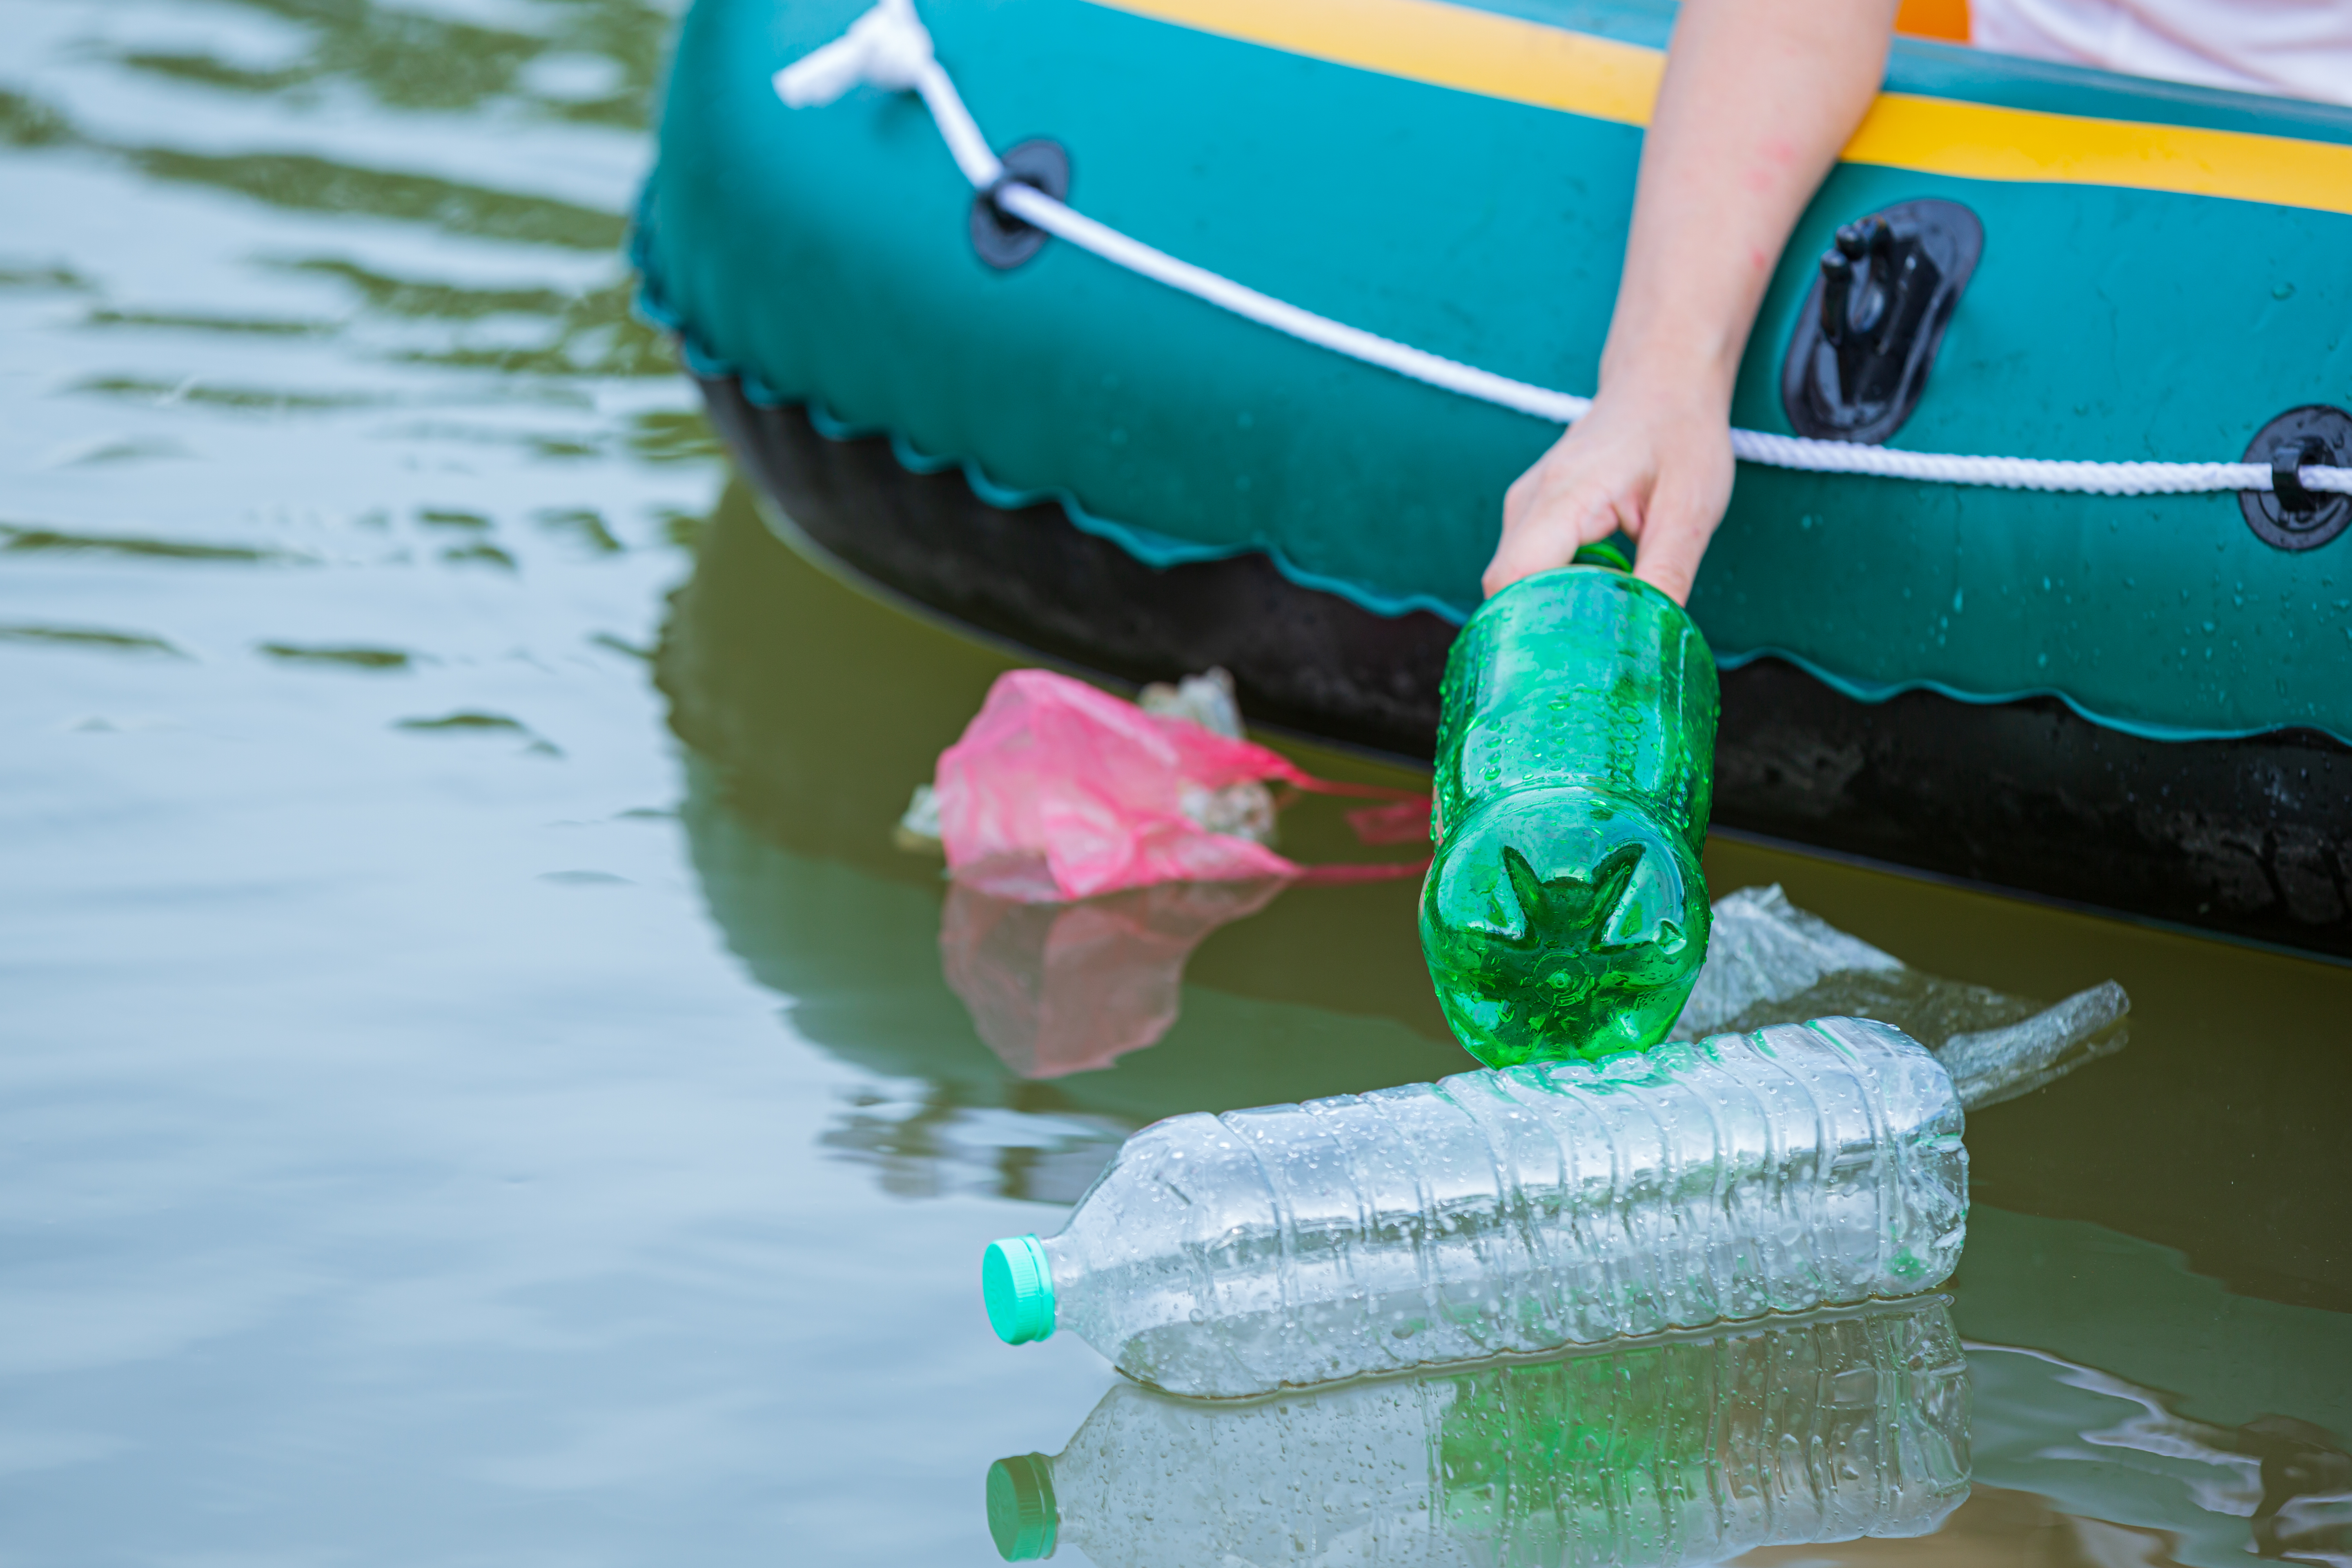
(1058,791)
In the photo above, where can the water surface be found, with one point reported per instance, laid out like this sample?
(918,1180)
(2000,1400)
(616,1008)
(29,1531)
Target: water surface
(482,1085)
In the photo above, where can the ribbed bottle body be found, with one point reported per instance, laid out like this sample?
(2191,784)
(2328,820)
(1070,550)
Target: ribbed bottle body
(1583,676)
(1649,1456)
(1519,1210)
(1564,913)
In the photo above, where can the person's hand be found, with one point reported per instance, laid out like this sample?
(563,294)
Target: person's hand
(1654,461)
(1754,106)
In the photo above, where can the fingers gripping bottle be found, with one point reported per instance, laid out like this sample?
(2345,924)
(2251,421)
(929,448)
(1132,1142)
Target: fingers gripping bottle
(1654,1454)
(1564,913)
(1512,1211)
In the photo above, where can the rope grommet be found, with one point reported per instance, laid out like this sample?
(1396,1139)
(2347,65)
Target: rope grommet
(1003,240)
(2288,460)
(2290,515)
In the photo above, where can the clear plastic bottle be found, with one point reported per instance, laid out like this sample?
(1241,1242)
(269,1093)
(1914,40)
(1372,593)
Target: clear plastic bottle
(1564,913)
(1517,1210)
(1644,1456)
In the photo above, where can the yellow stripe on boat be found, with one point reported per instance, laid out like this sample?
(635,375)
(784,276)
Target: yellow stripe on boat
(1979,142)
(1602,79)
(1446,45)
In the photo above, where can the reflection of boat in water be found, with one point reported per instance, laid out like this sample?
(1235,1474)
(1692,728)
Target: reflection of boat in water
(1650,1454)
(2113,1381)
(820,708)
(2076,1467)
(2107,1450)
(857,951)
(811,711)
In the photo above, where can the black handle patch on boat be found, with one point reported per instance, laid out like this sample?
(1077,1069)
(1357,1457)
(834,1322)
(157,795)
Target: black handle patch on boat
(2287,516)
(1003,240)
(1868,333)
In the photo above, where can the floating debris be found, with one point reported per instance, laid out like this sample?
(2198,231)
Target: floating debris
(92,638)
(17,537)
(465,724)
(346,657)
(487,554)
(1769,961)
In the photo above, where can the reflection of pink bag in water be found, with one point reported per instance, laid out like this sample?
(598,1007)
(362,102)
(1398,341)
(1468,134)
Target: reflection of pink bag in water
(1064,988)
(1059,791)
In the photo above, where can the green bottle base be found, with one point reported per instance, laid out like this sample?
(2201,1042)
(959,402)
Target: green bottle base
(1562,923)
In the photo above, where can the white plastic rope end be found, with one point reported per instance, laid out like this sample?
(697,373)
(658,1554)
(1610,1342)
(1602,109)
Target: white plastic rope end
(819,77)
(887,48)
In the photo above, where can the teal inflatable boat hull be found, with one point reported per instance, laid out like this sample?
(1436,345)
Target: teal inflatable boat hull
(1068,453)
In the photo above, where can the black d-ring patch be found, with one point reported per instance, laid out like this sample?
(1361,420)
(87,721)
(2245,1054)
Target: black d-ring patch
(1003,240)
(2290,517)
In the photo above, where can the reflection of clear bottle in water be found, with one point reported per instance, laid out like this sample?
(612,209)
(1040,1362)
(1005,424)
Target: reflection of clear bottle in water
(1514,1210)
(1647,1456)
(1565,913)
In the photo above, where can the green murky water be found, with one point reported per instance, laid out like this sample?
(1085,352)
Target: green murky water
(479,1084)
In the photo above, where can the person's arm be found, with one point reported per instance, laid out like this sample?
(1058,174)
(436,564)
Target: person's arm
(1759,97)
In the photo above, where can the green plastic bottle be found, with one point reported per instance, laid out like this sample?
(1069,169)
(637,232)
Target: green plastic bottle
(1564,914)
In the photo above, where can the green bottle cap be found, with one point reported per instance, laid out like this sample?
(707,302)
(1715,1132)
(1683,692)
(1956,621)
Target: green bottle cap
(1018,1285)
(1022,1518)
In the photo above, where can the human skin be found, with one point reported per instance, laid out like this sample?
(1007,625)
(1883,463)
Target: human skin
(1759,97)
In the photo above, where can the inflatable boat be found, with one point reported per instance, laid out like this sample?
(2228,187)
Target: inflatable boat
(1153,334)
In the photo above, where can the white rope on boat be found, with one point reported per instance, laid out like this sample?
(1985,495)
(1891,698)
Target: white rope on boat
(888,47)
